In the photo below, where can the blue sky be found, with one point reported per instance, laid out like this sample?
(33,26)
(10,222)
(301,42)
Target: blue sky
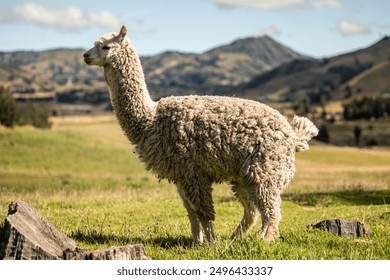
(318,28)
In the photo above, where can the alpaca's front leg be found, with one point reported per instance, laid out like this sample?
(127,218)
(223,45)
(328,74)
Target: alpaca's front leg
(196,227)
(206,213)
(208,229)
(200,209)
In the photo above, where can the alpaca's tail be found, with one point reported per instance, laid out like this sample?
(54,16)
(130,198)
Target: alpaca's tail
(304,130)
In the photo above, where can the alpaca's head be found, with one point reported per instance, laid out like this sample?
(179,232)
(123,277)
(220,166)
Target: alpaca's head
(105,47)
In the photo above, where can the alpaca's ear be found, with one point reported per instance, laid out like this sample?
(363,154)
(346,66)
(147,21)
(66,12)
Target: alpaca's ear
(123,32)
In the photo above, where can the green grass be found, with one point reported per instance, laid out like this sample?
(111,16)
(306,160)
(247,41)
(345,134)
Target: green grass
(85,179)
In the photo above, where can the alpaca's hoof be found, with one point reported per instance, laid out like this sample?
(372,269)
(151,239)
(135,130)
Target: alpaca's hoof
(204,242)
(271,234)
(198,242)
(270,238)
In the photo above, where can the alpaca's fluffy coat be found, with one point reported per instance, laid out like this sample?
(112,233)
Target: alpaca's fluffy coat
(194,141)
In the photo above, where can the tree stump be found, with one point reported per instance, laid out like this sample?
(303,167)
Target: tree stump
(341,227)
(28,236)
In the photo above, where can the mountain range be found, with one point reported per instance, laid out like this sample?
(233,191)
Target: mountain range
(217,71)
(362,72)
(258,68)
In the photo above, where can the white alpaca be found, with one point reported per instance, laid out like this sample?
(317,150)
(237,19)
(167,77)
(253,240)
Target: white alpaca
(194,141)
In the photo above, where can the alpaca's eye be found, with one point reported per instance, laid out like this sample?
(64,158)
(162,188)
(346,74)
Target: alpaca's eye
(106,48)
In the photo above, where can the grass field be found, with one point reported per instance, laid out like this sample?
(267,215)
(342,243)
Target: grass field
(83,177)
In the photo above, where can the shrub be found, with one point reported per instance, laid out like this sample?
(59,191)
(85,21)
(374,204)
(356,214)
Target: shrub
(35,116)
(9,111)
(11,114)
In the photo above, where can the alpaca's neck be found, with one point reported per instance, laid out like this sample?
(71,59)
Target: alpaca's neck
(129,96)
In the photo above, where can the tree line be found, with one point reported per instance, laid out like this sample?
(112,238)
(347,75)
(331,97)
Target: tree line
(12,114)
(367,107)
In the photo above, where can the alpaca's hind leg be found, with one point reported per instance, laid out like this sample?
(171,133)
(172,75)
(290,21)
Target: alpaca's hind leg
(251,213)
(269,205)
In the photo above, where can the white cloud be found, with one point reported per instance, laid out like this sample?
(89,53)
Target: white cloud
(348,28)
(271,31)
(70,18)
(321,4)
(260,4)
